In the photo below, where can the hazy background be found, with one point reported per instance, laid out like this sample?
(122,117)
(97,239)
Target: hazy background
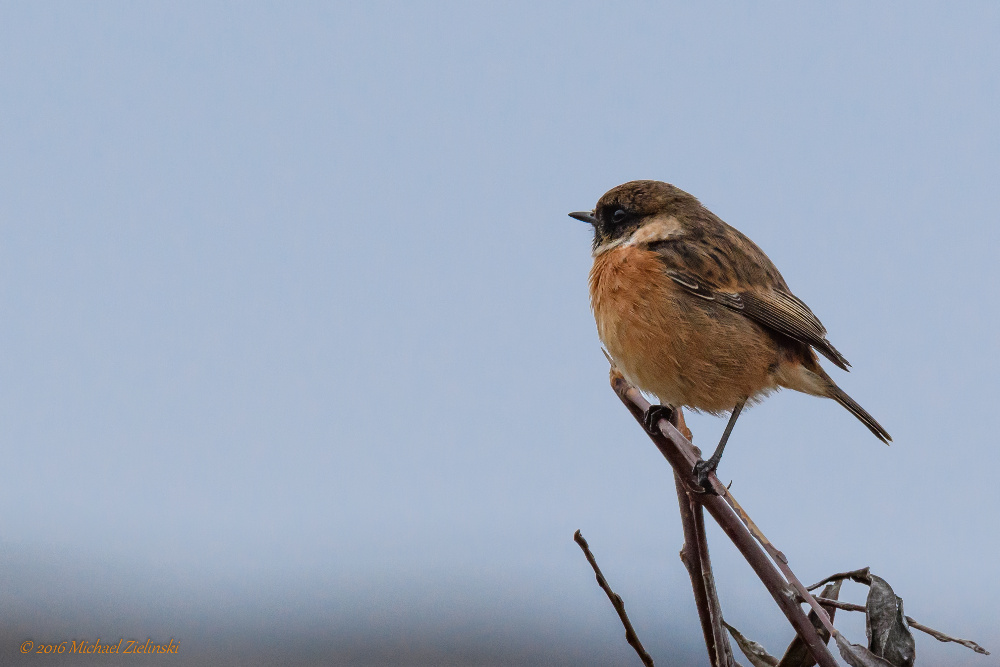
(297,358)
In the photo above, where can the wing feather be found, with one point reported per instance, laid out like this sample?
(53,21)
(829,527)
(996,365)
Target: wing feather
(770,306)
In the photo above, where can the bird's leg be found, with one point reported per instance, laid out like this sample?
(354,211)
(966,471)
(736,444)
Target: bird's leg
(702,469)
(654,414)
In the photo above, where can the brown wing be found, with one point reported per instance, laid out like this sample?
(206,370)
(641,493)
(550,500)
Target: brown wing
(784,312)
(716,262)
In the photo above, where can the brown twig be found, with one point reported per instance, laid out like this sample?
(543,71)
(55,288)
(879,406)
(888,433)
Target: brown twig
(737,526)
(936,634)
(782,562)
(616,601)
(786,590)
(694,555)
(796,655)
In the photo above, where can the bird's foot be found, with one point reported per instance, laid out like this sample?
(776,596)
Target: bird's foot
(701,472)
(651,420)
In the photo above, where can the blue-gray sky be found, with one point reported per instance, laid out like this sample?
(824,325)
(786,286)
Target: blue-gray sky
(297,355)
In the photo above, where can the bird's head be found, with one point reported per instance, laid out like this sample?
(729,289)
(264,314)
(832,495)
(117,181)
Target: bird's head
(623,210)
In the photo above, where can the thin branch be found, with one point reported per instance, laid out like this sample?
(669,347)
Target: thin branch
(839,604)
(705,575)
(689,556)
(616,602)
(724,508)
(680,453)
(694,555)
(936,634)
(782,562)
(796,655)
(942,637)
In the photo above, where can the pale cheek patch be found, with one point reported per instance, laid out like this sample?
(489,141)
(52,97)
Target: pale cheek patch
(660,228)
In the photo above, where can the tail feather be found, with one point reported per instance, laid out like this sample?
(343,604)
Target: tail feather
(833,354)
(838,394)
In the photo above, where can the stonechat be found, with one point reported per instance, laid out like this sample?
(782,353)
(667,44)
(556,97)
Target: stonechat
(693,312)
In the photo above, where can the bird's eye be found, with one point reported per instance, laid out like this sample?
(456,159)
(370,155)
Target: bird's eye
(619,215)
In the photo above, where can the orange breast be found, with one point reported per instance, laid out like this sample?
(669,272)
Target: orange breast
(685,350)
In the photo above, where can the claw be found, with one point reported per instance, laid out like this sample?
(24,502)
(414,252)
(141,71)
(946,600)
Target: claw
(651,420)
(701,472)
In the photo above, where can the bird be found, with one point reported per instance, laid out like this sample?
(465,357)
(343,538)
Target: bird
(693,312)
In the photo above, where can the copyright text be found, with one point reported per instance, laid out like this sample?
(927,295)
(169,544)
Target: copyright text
(100,646)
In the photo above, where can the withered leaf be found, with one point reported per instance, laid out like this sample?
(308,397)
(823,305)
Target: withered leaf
(857,655)
(888,633)
(755,653)
(861,576)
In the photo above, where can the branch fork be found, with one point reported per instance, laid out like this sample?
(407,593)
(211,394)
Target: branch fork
(673,439)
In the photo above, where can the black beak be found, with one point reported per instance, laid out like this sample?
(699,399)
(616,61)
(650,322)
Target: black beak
(585,216)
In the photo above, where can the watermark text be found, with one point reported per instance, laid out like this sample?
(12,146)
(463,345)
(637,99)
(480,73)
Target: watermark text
(88,647)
